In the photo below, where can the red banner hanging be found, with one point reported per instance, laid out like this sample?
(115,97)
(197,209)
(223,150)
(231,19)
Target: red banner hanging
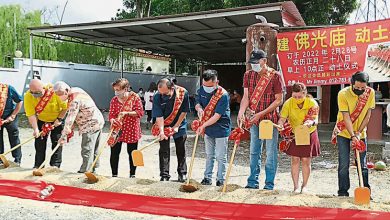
(328,56)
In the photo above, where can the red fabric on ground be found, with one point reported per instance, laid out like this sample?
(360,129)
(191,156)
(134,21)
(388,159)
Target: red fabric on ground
(197,209)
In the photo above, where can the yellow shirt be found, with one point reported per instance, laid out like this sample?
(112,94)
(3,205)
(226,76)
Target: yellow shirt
(296,115)
(50,112)
(347,102)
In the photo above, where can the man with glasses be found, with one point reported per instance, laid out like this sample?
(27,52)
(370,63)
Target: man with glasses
(45,111)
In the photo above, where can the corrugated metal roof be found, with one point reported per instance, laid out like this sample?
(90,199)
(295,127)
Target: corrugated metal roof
(213,36)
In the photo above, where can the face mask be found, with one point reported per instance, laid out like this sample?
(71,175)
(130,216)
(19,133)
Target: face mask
(208,89)
(120,94)
(256,67)
(298,101)
(37,95)
(358,91)
(64,97)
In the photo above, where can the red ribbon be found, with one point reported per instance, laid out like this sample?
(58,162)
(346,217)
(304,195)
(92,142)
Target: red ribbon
(46,128)
(287,136)
(168,131)
(236,135)
(195,125)
(359,145)
(69,136)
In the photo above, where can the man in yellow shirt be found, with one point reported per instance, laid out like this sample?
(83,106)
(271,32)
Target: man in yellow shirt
(43,106)
(355,103)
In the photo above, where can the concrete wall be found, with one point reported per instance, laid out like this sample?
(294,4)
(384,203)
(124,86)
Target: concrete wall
(96,80)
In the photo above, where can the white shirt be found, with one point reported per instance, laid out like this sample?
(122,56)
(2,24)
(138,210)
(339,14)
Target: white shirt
(148,100)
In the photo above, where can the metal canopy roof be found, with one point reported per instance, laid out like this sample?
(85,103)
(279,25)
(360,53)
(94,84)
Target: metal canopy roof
(212,36)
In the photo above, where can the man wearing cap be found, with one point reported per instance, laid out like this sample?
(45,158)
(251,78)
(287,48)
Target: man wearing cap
(262,96)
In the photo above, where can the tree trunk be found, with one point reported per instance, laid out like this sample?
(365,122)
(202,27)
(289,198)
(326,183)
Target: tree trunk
(139,9)
(147,8)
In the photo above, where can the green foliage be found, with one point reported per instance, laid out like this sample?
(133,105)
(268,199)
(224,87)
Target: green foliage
(15,36)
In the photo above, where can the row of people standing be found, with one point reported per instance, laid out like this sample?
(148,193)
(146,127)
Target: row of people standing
(261,99)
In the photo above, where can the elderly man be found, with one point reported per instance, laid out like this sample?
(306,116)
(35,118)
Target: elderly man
(82,110)
(10,105)
(43,106)
(170,107)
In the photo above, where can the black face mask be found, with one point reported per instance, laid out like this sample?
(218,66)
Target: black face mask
(358,91)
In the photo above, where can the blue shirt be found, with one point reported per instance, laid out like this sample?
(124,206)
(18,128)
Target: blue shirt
(163,106)
(222,127)
(13,97)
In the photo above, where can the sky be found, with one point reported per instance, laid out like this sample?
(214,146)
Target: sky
(76,11)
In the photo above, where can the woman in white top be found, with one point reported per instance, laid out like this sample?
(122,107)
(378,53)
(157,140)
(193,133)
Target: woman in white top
(148,97)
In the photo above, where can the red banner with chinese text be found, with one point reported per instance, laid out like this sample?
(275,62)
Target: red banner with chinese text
(327,56)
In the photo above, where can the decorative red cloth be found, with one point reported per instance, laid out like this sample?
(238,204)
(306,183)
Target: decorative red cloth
(46,128)
(236,135)
(287,136)
(359,145)
(168,131)
(195,125)
(69,136)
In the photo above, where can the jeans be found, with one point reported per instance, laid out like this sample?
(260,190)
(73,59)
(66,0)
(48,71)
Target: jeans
(13,137)
(344,145)
(40,146)
(114,158)
(271,163)
(164,156)
(216,148)
(89,150)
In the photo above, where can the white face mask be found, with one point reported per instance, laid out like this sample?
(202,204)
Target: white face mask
(208,89)
(256,67)
(120,94)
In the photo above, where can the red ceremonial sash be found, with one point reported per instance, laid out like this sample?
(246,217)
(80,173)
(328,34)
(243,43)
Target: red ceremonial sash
(44,100)
(180,92)
(126,107)
(287,133)
(3,100)
(362,101)
(257,95)
(209,110)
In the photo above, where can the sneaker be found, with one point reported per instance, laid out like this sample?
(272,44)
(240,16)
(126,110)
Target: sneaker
(251,187)
(304,190)
(132,176)
(114,175)
(219,183)
(297,191)
(164,178)
(206,182)
(181,178)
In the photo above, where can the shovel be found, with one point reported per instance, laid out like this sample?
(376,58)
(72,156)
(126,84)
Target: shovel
(91,177)
(40,171)
(188,187)
(4,159)
(362,194)
(138,157)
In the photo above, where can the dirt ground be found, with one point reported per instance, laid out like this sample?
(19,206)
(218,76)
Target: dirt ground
(322,184)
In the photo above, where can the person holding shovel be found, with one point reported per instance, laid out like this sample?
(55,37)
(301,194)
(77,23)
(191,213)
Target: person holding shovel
(355,103)
(45,111)
(125,116)
(170,107)
(213,110)
(262,96)
(82,110)
(10,105)
(300,109)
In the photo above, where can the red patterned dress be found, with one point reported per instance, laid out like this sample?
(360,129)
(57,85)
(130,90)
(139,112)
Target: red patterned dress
(131,129)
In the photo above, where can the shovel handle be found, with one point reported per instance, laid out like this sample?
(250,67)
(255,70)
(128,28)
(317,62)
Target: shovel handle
(150,144)
(192,158)
(359,169)
(50,155)
(230,168)
(102,146)
(19,145)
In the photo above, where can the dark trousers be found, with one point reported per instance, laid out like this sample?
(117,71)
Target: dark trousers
(164,155)
(13,137)
(149,114)
(344,145)
(40,146)
(114,158)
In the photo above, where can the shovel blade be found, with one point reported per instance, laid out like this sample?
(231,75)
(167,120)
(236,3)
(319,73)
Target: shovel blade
(189,188)
(362,196)
(38,172)
(138,158)
(4,160)
(91,177)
